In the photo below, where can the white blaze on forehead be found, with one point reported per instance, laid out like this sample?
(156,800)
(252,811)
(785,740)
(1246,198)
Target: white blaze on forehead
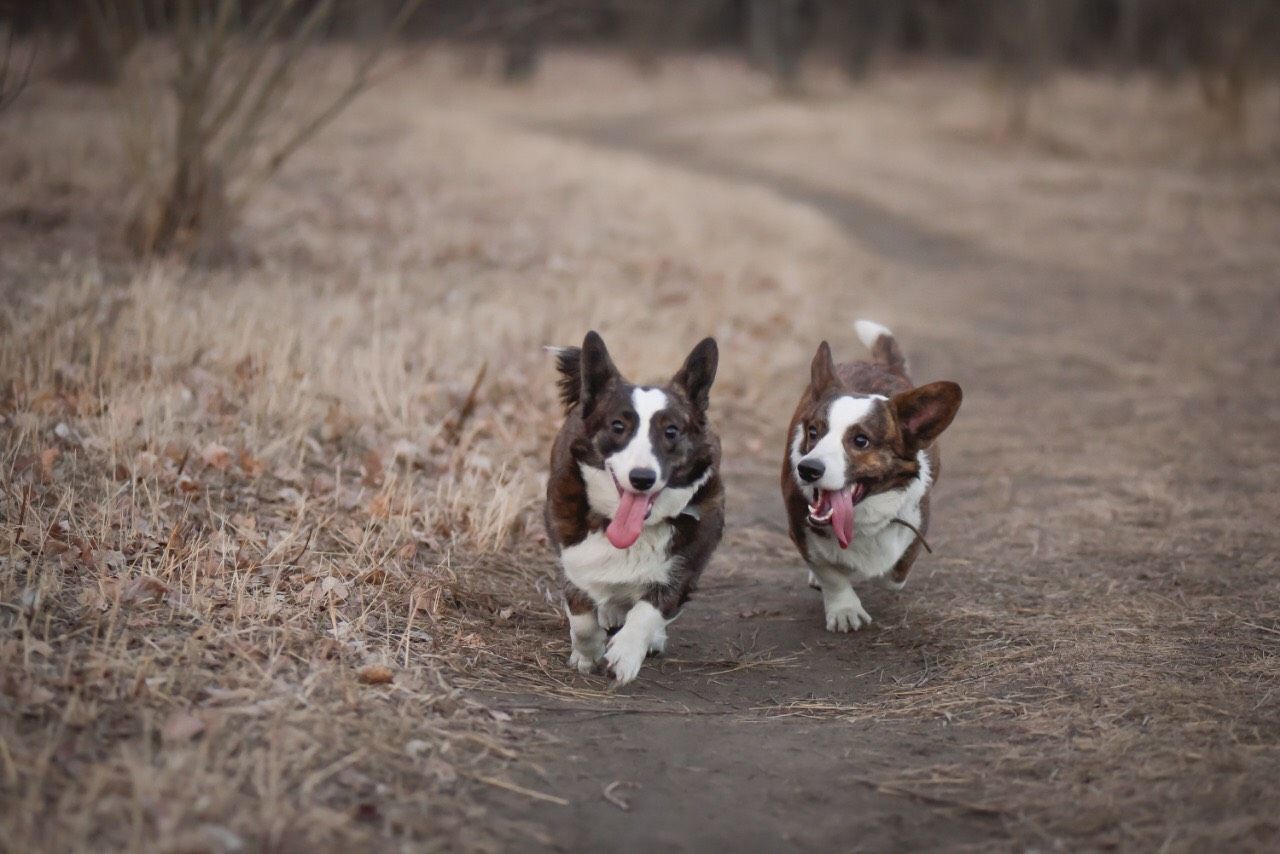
(843,413)
(638,453)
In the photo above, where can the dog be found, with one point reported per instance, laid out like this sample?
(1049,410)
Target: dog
(635,505)
(860,462)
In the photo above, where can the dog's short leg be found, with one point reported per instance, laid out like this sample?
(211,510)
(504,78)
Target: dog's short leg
(842,606)
(587,638)
(639,634)
(813,581)
(611,615)
(658,643)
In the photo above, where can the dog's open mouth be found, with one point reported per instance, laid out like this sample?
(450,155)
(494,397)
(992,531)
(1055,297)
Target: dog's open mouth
(836,509)
(628,522)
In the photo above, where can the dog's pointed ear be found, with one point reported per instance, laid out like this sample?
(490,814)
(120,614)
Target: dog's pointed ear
(698,373)
(597,371)
(822,371)
(924,412)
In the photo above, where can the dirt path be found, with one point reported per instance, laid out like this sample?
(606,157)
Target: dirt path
(703,753)
(1075,594)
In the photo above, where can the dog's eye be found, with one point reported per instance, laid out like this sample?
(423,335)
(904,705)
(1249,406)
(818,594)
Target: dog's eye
(672,432)
(861,441)
(813,433)
(619,427)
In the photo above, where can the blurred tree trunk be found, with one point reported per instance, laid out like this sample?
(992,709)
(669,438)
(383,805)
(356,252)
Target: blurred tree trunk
(106,32)
(653,27)
(1022,54)
(859,30)
(775,39)
(521,25)
(1131,16)
(1231,43)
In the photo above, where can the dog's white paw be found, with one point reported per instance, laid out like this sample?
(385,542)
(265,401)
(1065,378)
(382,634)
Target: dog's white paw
(611,616)
(658,645)
(814,582)
(847,618)
(581,662)
(624,656)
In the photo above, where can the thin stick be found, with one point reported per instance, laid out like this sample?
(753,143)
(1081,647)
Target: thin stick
(611,797)
(520,790)
(22,516)
(454,430)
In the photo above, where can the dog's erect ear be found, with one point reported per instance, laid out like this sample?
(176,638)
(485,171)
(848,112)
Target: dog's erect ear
(597,371)
(924,412)
(698,373)
(822,372)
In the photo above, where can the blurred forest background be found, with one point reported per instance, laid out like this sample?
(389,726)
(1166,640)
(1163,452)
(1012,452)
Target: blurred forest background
(228,79)
(276,277)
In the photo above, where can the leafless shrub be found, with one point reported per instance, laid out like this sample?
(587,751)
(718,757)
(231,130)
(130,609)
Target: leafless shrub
(199,155)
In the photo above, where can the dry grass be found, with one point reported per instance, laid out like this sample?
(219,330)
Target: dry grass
(227,492)
(236,501)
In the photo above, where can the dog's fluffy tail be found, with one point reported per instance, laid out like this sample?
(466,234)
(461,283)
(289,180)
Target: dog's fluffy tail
(883,346)
(569,364)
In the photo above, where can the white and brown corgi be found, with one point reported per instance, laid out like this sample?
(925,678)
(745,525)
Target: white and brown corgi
(859,464)
(635,506)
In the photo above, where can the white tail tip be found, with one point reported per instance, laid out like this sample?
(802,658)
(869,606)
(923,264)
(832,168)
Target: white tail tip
(869,332)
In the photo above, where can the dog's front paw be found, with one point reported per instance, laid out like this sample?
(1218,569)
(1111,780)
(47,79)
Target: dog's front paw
(582,662)
(624,656)
(847,618)
(658,645)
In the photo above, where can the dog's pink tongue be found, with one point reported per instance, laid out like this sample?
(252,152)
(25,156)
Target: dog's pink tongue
(842,516)
(628,522)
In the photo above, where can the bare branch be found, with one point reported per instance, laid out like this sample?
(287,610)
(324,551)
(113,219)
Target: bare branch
(10,89)
(359,82)
(274,83)
(260,31)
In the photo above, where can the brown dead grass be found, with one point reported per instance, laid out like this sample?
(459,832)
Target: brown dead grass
(235,502)
(231,496)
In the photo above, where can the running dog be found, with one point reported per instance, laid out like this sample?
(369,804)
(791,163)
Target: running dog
(859,465)
(635,506)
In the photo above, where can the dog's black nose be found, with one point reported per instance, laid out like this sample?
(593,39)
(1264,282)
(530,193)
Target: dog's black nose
(642,479)
(810,470)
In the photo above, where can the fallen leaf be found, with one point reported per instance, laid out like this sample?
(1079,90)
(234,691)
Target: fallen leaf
(144,589)
(441,770)
(251,465)
(335,587)
(380,507)
(180,727)
(375,674)
(48,457)
(372,469)
(216,456)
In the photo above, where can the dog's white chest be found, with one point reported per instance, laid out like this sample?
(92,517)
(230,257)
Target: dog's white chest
(878,544)
(621,576)
(869,555)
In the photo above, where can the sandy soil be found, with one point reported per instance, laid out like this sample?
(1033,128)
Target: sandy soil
(1091,658)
